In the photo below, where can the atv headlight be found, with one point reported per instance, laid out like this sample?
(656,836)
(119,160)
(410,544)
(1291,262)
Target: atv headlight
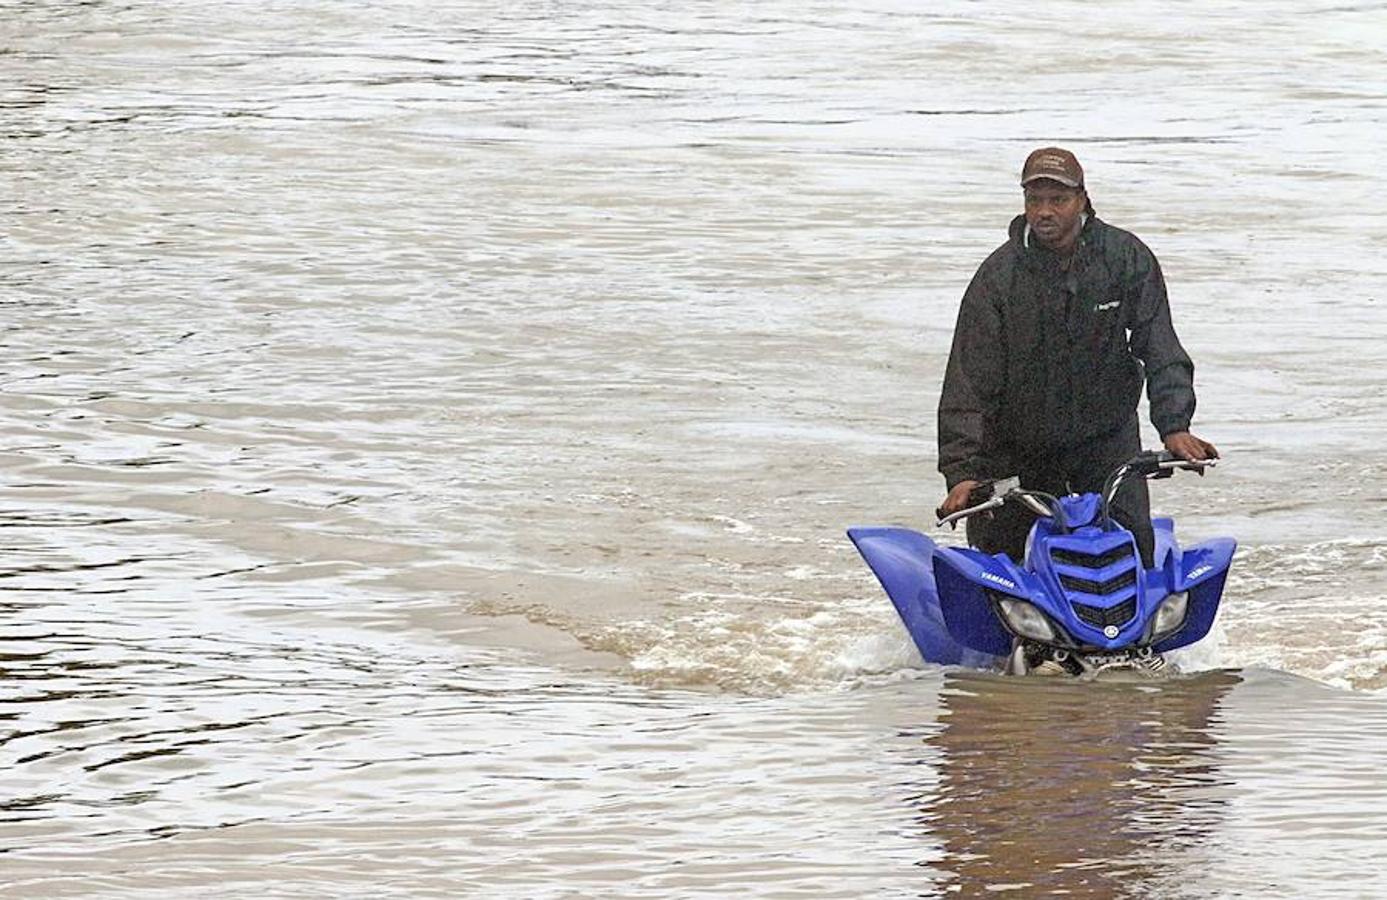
(1025,619)
(1170,615)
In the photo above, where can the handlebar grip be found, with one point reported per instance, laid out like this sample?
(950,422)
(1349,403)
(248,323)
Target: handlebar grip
(1161,463)
(970,511)
(977,497)
(1168,460)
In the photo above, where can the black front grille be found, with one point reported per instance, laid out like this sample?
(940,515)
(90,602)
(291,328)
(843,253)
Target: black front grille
(1100,588)
(1098,617)
(1091,560)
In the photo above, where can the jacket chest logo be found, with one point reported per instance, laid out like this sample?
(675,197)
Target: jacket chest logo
(1105,307)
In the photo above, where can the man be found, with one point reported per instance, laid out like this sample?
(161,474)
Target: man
(1055,335)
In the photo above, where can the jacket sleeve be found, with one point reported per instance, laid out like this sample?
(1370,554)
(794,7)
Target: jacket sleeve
(972,384)
(1169,370)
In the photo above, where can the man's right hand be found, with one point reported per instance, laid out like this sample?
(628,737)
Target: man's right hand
(958,498)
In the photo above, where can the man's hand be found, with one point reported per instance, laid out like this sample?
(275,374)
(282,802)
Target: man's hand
(1188,447)
(957,499)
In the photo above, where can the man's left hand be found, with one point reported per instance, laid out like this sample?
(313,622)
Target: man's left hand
(1188,447)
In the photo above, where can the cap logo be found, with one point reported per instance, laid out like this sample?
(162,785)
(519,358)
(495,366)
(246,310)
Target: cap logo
(1055,163)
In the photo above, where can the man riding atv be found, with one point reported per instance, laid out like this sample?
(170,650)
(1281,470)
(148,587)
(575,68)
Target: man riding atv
(1055,336)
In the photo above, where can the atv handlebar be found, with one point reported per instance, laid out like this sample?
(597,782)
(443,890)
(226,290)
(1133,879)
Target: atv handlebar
(1003,491)
(1147,464)
(1161,464)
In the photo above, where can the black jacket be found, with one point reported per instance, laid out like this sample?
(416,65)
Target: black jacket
(1045,359)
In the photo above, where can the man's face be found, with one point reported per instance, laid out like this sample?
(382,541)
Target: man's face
(1053,211)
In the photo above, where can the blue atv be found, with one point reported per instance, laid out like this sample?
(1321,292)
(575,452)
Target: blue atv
(1080,603)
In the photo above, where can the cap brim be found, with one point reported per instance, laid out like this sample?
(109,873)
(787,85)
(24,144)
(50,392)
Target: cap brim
(1049,176)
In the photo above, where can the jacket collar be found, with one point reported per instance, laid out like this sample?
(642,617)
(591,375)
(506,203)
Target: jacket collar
(1036,254)
(1025,231)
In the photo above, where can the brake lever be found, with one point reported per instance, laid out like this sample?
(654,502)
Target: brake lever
(953,520)
(992,494)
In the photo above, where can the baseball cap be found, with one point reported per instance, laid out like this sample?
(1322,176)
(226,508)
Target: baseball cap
(1054,163)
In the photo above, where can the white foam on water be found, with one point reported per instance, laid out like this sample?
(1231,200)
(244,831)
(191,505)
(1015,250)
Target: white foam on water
(1204,655)
(1318,610)
(736,526)
(755,645)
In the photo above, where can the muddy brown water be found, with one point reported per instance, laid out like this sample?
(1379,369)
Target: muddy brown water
(428,435)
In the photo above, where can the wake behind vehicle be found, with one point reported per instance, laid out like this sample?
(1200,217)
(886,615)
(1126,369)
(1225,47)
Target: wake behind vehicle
(1081,602)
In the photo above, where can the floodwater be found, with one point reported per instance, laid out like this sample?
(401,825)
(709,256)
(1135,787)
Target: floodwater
(429,430)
